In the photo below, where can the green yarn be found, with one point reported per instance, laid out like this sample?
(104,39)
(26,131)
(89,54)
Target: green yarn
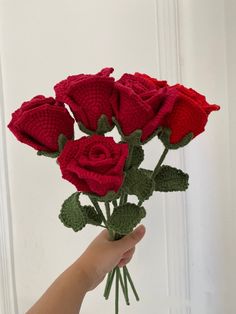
(93,218)
(84,129)
(164,136)
(62,139)
(48,154)
(146,172)
(133,138)
(72,215)
(125,217)
(110,196)
(103,126)
(170,179)
(138,183)
(157,132)
(137,156)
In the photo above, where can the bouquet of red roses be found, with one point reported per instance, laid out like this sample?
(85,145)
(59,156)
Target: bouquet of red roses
(107,171)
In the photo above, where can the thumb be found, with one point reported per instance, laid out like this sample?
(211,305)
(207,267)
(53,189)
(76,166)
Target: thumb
(130,240)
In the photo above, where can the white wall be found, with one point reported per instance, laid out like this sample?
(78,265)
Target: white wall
(41,43)
(208,63)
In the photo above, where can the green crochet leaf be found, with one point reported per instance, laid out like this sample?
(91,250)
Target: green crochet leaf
(62,139)
(146,172)
(171,179)
(93,217)
(164,136)
(138,183)
(137,156)
(71,214)
(110,196)
(124,218)
(48,154)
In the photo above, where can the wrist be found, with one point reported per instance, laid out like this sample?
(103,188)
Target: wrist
(84,275)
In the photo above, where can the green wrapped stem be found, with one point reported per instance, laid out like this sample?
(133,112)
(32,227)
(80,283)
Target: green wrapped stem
(117,292)
(123,286)
(158,166)
(131,283)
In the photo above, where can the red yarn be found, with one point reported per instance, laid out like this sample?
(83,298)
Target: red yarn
(40,121)
(94,164)
(137,104)
(88,96)
(145,103)
(190,112)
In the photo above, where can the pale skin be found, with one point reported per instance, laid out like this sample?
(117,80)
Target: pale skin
(67,292)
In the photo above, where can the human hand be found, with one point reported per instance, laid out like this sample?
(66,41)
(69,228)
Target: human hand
(102,255)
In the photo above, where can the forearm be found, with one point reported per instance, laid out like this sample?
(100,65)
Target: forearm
(65,295)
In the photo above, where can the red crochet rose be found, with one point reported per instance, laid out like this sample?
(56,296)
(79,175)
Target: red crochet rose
(94,164)
(188,111)
(88,96)
(137,103)
(40,121)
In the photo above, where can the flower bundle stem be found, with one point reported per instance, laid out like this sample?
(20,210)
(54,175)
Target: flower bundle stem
(109,283)
(122,198)
(96,205)
(108,210)
(114,202)
(131,148)
(115,273)
(117,292)
(123,286)
(131,283)
(158,166)
(126,285)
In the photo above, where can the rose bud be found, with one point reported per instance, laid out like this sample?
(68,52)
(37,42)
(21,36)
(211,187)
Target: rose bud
(137,104)
(40,121)
(88,96)
(186,112)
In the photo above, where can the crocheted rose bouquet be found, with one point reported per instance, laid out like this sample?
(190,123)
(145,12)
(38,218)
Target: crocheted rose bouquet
(108,171)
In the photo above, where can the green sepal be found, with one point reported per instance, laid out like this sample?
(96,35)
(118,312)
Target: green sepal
(48,154)
(164,136)
(103,126)
(125,217)
(62,139)
(133,139)
(84,129)
(72,215)
(110,196)
(155,133)
(93,218)
(137,156)
(138,183)
(170,179)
